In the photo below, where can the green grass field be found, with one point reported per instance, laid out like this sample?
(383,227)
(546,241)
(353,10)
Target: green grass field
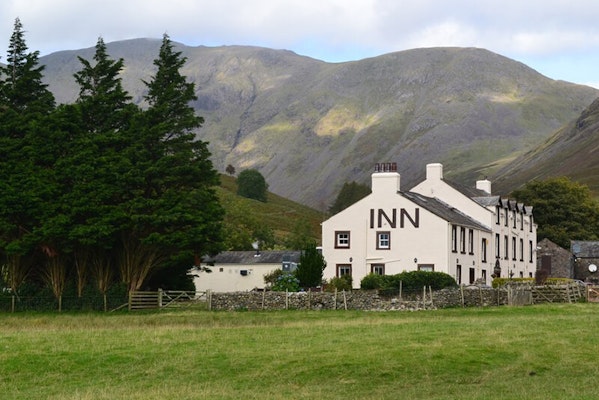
(535,352)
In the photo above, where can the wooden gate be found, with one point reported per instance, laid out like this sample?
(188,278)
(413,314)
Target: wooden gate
(593,293)
(139,300)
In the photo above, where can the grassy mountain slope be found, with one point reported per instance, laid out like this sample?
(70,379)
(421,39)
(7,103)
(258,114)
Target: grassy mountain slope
(571,151)
(278,213)
(309,126)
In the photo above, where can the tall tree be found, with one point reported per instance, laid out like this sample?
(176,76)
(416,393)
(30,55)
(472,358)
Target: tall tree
(563,210)
(25,185)
(173,209)
(105,105)
(23,90)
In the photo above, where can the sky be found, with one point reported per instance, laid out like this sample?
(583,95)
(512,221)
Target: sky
(559,39)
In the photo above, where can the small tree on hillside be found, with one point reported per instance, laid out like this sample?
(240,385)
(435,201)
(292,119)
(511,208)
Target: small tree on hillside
(251,184)
(311,266)
(230,170)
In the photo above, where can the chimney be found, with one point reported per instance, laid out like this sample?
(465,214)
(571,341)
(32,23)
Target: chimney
(484,185)
(385,178)
(434,172)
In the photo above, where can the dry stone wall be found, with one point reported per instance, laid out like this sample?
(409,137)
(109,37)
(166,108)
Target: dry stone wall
(358,300)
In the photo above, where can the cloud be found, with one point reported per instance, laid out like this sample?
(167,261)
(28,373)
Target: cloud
(333,30)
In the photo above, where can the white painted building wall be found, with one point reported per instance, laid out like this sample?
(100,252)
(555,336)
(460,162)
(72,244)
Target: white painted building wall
(429,242)
(231,278)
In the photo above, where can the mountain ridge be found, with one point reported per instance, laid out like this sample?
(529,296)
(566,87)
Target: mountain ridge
(309,126)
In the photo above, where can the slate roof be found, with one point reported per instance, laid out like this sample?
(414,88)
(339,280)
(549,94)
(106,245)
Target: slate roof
(249,257)
(488,201)
(585,248)
(444,211)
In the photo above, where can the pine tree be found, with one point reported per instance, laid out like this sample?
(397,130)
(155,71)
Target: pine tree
(23,90)
(173,208)
(25,185)
(104,104)
(310,268)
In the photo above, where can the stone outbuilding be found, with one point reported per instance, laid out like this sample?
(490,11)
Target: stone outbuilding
(553,261)
(585,260)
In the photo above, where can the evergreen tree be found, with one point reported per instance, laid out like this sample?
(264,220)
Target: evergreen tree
(173,208)
(25,185)
(563,210)
(104,104)
(22,90)
(310,268)
(350,193)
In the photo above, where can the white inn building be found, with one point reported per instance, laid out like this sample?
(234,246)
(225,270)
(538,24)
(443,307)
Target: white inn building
(436,226)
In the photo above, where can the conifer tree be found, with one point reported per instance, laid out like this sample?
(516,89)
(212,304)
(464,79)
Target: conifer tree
(25,184)
(104,104)
(176,212)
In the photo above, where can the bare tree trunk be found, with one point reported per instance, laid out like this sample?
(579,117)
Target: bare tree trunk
(55,275)
(102,272)
(137,261)
(15,272)
(81,268)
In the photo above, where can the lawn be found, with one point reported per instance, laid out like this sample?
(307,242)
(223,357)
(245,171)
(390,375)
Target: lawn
(535,352)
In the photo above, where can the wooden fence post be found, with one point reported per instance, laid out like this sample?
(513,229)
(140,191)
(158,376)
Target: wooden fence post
(430,291)
(335,300)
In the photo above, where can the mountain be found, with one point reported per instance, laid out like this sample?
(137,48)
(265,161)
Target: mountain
(571,151)
(310,126)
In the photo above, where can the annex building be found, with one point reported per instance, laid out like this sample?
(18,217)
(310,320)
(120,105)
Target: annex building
(467,233)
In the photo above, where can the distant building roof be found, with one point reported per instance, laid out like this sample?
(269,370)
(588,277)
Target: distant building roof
(250,257)
(585,248)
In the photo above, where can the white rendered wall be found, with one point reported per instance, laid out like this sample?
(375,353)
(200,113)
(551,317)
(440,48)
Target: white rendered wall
(228,278)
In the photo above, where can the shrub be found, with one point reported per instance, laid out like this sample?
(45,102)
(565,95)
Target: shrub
(340,283)
(271,278)
(410,281)
(286,282)
(372,281)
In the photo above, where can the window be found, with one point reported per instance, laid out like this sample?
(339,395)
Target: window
(483,275)
(484,250)
(462,239)
(377,269)
(521,249)
(383,240)
(514,248)
(530,250)
(521,221)
(530,223)
(454,238)
(514,217)
(472,275)
(458,274)
(342,240)
(505,247)
(343,269)
(426,267)
(506,216)
(470,241)
(497,244)
(497,215)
